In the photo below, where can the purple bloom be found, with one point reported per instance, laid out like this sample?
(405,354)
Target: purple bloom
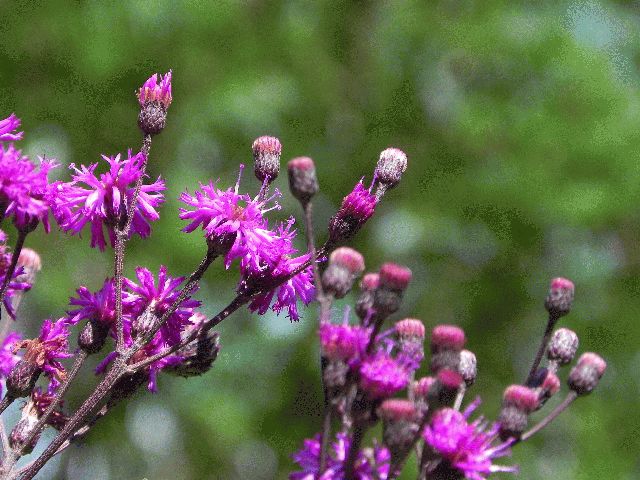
(23,188)
(158,297)
(100,305)
(7,126)
(104,202)
(467,447)
(154,91)
(234,220)
(46,350)
(8,358)
(356,209)
(343,342)
(41,400)
(371,464)
(381,376)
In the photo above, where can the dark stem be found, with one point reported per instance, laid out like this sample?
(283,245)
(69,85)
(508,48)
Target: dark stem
(77,365)
(571,396)
(354,448)
(76,420)
(541,349)
(118,267)
(12,266)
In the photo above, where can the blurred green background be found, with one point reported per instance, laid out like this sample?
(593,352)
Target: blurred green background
(520,121)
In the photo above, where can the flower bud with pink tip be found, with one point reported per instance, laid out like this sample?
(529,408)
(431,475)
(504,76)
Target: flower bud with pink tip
(560,298)
(154,97)
(394,280)
(368,286)
(586,375)
(447,341)
(266,158)
(303,181)
(518,402)
(400,426)
(345,264)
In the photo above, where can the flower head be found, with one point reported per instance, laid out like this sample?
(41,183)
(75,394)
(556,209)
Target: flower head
(156,91)
(7,127)
(155,297)
(468,448)
(381,376)
(343,342)
(370,464)
(8,358)
(24,188)
(104,200)
(46,350)
(356,209)
(235,222)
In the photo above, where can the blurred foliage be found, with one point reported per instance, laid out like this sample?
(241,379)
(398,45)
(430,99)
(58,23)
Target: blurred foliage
(521,125)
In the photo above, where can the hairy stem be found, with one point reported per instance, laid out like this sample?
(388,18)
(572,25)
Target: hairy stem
(118,267)
(541,349)
(571,396)
(6,401)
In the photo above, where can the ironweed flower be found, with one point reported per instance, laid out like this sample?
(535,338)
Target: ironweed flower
(234,222)
(356,209)
(103,202)
(154,97)
(24,189)
(8,358)
(343,342)
(370,463)
(381,376)
(46,351)
(467,448)
(7,127)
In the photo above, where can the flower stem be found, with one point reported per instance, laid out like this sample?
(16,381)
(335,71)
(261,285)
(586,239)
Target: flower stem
(6,401)
(561,407)
(352,454)
(541,349)
(22,234)
(118,267)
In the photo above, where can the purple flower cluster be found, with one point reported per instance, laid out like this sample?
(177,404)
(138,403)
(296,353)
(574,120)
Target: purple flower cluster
(234,224)
(102,200)
(7,128)
(371,464)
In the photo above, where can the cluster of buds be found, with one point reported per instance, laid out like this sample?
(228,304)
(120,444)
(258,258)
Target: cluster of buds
(368,374)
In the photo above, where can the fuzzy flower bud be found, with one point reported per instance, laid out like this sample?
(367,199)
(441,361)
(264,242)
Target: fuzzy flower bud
(584,377)
(303,182)
(198,356)
(22,379)
(447,342)
(549,387)
(394,280)
(155,98)
(562,346)
(93,336)
(266,157)
(560,298)
(345,264)
(391,165)
(518,402)
(447,384)
(368,286)
(411,333)
(400,425)
(356,209)
(468,367)
(22,430)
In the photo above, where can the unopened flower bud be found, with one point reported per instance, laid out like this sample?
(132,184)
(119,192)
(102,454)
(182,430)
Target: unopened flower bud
(155,98)
(549,387)
(345,264)
(22,379)
(303,181)
(368,286)
(411,333)
(356,209)
(520,397)
(394,280)
(266,157)
(144,323)
(560,298)
(468,367)
(421,387)
(584,377)
(518,402)
(30,261)
(562,346)
(400,425)
(391,165)
(22,430)
(93,336)
(446,343)
(198,356)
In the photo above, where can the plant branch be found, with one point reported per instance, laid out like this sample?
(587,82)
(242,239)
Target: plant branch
(541,349)
(561,407)
(22,234)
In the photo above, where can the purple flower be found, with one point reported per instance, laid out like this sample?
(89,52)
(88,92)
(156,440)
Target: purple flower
(467,447)
(46,350)
(8,358)
(343,342)
(356,209)
(7,126)
(234,221)
(23,188)
(154,91)
(100,306)
(158,297)
(381,376)
(371,464)
(104,201)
